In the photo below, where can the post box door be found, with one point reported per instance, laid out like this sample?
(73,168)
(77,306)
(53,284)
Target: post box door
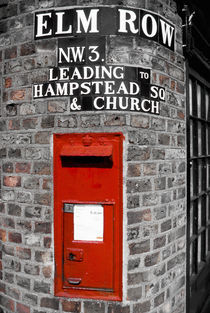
(88,215)
(88,247)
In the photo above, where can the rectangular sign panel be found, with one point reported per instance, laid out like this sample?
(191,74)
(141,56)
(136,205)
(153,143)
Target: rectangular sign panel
(83,73)
(82,50)
(88,222)
(104,21)
(103,87)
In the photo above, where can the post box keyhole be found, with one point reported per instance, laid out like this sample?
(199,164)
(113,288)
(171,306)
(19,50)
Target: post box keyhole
(71,257)
(75,255)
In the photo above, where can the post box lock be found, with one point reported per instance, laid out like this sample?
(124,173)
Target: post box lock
(74,255)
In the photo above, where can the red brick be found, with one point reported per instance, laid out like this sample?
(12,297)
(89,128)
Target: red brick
(7,303)
(2,287)
(14,124)
(43,199)
(13,293)
(47,183)
(23,253)
(164,80)
(30,123)
(3,236)
(27,49)
(11,53)
(42,227)
(47,242)
(22,167)
(173,85)
(71,306)
(50,303)
(47,271)
(8,82)
(18,95)
(139,216)
(12,181)
(181,115)
(43,256)
(150,169)
(21,308)
(154,77)
(15,237)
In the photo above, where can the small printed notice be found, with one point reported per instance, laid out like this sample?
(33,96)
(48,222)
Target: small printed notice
(88,222)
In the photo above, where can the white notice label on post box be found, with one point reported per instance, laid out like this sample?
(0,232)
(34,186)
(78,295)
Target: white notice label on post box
(88,222)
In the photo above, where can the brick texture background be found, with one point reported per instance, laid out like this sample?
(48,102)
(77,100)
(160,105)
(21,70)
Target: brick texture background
(154,168)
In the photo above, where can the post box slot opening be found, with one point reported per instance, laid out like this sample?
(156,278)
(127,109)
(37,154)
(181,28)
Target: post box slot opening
(86,156)
(86,161)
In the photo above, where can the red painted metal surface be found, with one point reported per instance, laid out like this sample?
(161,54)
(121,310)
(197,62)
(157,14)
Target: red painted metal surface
(100,151)
(88,170)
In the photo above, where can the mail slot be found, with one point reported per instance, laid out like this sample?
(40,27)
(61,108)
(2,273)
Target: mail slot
(88,215)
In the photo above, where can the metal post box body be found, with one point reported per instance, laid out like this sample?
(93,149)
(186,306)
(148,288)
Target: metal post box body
(88,215)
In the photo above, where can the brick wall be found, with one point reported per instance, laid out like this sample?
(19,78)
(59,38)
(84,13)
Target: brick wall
(154,169)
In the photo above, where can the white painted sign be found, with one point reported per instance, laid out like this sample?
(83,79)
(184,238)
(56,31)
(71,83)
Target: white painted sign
(104,21)
(88,222)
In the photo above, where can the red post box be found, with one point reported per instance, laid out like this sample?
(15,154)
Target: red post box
(88,215)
